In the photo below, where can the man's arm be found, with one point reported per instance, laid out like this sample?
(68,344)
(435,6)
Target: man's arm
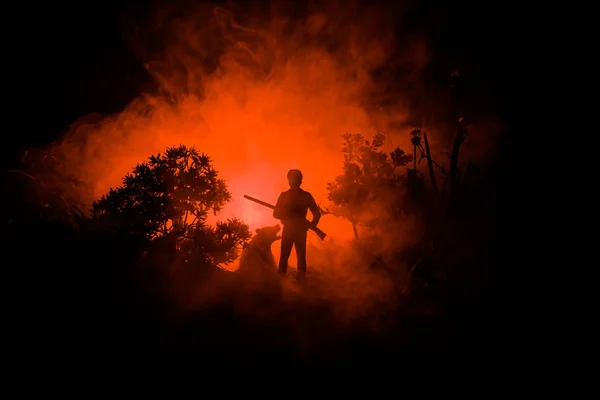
(314,209)
(277,211)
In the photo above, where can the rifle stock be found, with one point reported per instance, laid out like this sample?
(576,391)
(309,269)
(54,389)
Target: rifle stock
(313,228)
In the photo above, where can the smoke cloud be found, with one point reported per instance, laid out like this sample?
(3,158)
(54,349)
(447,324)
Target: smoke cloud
(261,90)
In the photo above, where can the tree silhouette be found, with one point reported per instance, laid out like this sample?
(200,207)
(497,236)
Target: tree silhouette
(166,200)
(367,191)
(170,192)
(216,245)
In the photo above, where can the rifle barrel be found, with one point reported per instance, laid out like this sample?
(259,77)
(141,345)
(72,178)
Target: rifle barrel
(262,203)
(319,232)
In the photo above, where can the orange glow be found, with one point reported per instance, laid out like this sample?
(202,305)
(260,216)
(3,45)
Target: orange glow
(282,96)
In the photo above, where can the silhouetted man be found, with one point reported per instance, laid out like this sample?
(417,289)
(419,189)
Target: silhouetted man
(291,208)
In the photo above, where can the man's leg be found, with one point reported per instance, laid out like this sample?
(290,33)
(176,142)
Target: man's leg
(287,241)
(300,242)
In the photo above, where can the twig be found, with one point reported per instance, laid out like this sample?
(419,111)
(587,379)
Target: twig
(78,211)
(439,166)
(410,275)
(18,171)
(430,164)
(327,212)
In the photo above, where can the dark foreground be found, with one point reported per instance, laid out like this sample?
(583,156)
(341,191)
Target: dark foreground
(86,314)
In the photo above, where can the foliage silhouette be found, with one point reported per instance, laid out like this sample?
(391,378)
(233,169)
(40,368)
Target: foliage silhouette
(166,201)
(169,192)
(41,184)
(368,190)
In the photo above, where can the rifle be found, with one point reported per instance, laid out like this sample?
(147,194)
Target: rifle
(313,228)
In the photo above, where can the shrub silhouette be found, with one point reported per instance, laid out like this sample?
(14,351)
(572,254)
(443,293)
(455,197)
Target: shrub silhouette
(368,190)
(166,201)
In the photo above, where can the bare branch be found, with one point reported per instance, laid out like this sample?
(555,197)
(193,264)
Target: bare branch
(18,171)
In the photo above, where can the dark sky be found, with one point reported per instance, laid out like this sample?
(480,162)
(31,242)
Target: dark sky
(70,59)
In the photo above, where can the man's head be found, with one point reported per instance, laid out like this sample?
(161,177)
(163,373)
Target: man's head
(294,177)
